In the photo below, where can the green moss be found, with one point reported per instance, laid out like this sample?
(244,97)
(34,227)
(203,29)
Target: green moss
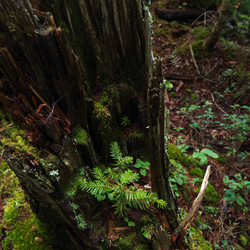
(194,98)
(200,32)
(131,240)
(101,112)
(198,242)
(211,197)
(175,154)
(200,49)
(104,98)
(221,159)
(80,135)
(196,172)
(244,240)
(24,230)
(171,94)
(126,242)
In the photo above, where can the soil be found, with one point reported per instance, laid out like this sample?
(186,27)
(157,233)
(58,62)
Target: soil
(224,71)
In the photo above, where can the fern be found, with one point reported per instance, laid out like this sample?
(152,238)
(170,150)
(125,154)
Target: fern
(117,190)
(115,151)
(116,154)
(116,184)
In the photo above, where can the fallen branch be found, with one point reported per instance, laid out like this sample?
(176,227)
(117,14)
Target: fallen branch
(5,127)
(193,210)
(178,14)
(195,64)
(217,104)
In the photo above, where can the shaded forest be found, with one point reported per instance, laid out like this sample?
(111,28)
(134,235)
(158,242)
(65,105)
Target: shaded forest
(107,145)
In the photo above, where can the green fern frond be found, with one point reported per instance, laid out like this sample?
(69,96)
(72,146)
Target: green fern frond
(115,151)
(116,184)
(124,161)
(128,176)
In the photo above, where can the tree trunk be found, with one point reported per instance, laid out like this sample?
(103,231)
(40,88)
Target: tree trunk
(72,101)
(225,11)
(159,144)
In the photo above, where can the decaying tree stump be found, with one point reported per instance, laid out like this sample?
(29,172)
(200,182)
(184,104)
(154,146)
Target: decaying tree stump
(56,58)
(158,137)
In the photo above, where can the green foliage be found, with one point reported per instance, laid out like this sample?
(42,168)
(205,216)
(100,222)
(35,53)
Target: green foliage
(125,121)
(196,172)
(130,223)
(202,155)
(80,135)
(79,217)
(9,182)
(168,85)
(197,240)
(177,177)
(116,185)
(116,154)
(25,231)
(175,153)
(238,126)
(211,196)
(143,166)
(235,189)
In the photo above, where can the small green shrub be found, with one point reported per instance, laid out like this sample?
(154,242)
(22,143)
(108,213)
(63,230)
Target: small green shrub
(202,155)
(235,189)
(116,185)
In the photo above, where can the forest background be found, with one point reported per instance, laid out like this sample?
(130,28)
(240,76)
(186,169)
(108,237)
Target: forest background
(208,101)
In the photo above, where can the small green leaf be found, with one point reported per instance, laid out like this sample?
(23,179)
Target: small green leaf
(126,219)
(179,181)
(101,197)
(143,172)
(209,152)
(196,154)
(146,235)
(131,224)
(203,158)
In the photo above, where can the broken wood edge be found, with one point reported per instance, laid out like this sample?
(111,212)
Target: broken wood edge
(195,207)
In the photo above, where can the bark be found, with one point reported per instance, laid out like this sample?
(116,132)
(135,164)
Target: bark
(110,37)
(54,77)
(225,11)
(159,161)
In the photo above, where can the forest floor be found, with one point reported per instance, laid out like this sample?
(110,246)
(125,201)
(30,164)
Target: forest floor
(209,106)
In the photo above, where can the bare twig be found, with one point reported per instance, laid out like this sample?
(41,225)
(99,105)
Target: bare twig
(195,64)
(41,99)
(195,207)
(217,104)
(5,127)
(52,110)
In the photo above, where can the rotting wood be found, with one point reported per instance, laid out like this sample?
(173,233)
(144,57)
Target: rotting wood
(170,15)
(159,162)
(173,76)
(193,210)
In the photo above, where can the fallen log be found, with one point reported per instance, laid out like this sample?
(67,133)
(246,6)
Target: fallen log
(177,14)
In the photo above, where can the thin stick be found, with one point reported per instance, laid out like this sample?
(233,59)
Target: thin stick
(41,99)
(5,127)
(195,64)
(217,104)
(195,207)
